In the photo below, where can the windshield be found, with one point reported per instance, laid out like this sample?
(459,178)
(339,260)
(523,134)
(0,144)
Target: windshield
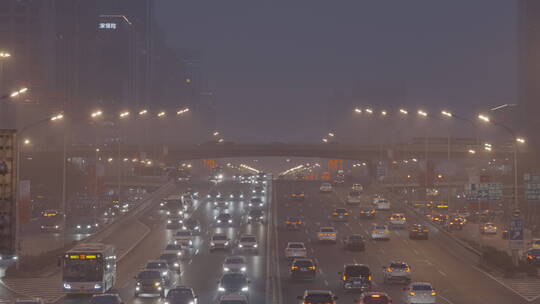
(183,233)
(83,270)
(149,275)
(248,239)
(356,271)
(180,294)
(234,261)
(296,246)
(319,298)
(155,265)
(303,263)
(421,287)
(219,237)
(173,247)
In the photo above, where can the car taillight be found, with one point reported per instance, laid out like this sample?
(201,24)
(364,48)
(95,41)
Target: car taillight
(389,269)
(312,267)
(433,293)
(530,257)
(369,278)
(344,278)
(294,268)
(412,293)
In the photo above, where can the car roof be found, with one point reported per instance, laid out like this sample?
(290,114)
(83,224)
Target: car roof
(293,243)
(320,292)
(421,284)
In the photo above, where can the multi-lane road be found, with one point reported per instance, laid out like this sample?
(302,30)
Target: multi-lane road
(439,260)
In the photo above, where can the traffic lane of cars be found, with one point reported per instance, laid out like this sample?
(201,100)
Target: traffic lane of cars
(443,263)
(148,249)
(429,262)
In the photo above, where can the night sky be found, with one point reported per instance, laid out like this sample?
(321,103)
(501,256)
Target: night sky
(273,65)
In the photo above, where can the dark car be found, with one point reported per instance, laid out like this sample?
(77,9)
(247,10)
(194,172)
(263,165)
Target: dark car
(456,223)
(318,297)
(181,295)
(173,261)
(367,213)
(149,282)
(193,225)
(87,226)
(236,195)
(340,215)
(374,298)
(356,277)
(255,202)
(175,222)
(354,242)
(224,219)
(418,232)
(533,256)
(221,203)
(255,215)
(298,196)
(294,223)
(233,282)
(212,195)
(303,269)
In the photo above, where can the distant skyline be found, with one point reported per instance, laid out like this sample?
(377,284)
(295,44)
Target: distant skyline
(274,65)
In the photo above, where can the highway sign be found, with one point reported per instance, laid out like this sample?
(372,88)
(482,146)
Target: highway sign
(484,191)
(532,187)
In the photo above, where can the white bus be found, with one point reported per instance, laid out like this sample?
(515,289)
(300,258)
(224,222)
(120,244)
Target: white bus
(89,269)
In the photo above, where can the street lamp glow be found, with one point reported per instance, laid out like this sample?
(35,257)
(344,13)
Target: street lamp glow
(110,159)
(18,92)
(5,55)
(26,141)
(125,159)
(520,140)
(422,113)
(446,113)
(487,148)
(124,114)
(161,114)
(403,111)
(384,113)
(143,112)
(221,140)
(216,133)
(57,117)
(483,118)
(369,111)
(325,140)
(97,150)
(471,151)
(331,134)
(487,145)
(357,110)
(96,114)
(180,112)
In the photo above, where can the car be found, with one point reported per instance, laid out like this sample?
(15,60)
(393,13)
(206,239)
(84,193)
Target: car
(181,295)
(357,187)
(327,234)
(163,267)
(439,218)
(110,213)
(87,226)
(420,293)
(488,228)
(298,195)
(184,238)
(294,223)
(175,222)
(441,206)
(340,215)
(220,241)
(354,242)
(29,301)
(295,250)
(367,213)
(248,243)
(535,243)
(356,277)
(353,198)
(236,195)
(192,225)
(399,272)
(221,203)
(325,188)
(382,204)
(233,299)
(374,298)
(397,220)
(456,223)
(212,195)
(106,298)
(173,261)
(255,216)
(303,269)
(149,281)
(418,232)
(234,263)
(255,202)
(233,283)
(532,256)
(317,297)
(224,219)
(380,232)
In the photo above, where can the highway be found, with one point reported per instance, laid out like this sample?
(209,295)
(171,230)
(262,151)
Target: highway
(437,261)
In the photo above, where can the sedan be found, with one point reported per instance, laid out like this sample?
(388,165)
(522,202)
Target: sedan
(235,264)
(420,293)
(181,295)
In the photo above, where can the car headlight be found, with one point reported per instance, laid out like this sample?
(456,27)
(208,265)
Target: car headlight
(255,246)
(230,221)
(67,286)
(197,227)
(221,288)
(212,244)
(219,221)
(157,284)
(231,196)
(97,286)
(241,196)
(138,283)
(168,212)
(245,288)
(56,226)
(226,269)
(243,269)
(226,243)
(249,217)
(78,226)
(215,203)
(179,253)
(208,196)
(169,222)
(164,273)
(240,245)
(88,226)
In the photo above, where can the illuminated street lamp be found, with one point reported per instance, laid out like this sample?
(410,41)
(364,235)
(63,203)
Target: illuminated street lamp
(447,114)
(325,140)
(180,112)
(216,133)
(5,55)
(422,113)
(161,114)
(369,111)
(221,140)
(483,118)
(384,113)
(26,141)
(96,114)
(357,110)
(143,112)
(520,140)
(124,114)
(403,111)
(18,92)
(471,151)
(331,134)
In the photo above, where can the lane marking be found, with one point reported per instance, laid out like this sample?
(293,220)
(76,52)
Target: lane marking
(326,282)
(445,299)
(442,273)
(416,252)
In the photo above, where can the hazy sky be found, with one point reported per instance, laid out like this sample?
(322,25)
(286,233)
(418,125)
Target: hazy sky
(274,64)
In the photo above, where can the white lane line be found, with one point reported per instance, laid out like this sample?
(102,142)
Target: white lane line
(416,252)
(355,261)
(443,273)
(405,241)
(446,299)
(429,263)
(321,271)
(326,282)
(382,250)
(312,251)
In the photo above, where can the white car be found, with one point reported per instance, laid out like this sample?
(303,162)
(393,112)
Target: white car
(295,250)
(488,228)
(397,220)
(382,204)
(235,264)
(357,187)
(353,198)
(380,232)
(328,234)
(248,243)
(326,187)
(220,241)
(184,238)
(420,293)
(181,251)
(233,299)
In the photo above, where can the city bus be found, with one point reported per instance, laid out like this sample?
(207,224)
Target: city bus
(89,269)
(51,221)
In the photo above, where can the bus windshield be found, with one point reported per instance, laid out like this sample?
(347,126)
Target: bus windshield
(82,270)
